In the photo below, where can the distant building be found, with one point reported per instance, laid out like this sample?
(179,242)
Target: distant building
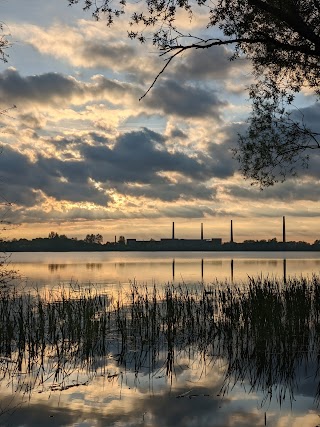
(217,241)
(131,241)
(174,244)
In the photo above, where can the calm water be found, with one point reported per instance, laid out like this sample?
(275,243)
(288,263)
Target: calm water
(116,391)
(107,269)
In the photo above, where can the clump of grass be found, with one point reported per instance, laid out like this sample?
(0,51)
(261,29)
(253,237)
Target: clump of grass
(263,330)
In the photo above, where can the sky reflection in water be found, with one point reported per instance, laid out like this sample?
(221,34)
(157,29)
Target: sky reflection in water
(192,395)
(106,269)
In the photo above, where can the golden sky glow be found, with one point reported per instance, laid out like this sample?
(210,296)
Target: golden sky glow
(82,154)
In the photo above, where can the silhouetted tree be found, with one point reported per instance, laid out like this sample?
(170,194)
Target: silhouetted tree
(122,240)
(4,44)
(53,235)
(94,239)
(281,38)
(99,239)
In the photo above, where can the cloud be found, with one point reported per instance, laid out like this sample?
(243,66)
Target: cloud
(135,164)
(137,157)
(187,211)
(309,115)
(178,133)
(169,192)
(22,180)
(202,64)
(57,91)
(88,45)
(289,191)
(184,100)
(60,90)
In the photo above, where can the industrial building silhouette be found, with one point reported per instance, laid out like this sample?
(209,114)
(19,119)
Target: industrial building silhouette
(214,243)
(177,244)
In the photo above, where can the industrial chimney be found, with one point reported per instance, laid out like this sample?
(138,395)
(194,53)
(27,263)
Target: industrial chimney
(231,233)
(201,231)
(173,231)
(284,229)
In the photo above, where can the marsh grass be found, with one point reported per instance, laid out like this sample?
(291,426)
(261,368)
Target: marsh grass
(265,331)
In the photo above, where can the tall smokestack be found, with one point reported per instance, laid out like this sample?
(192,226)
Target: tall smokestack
(231,232)
(201,231)
(284,229)
(173,231)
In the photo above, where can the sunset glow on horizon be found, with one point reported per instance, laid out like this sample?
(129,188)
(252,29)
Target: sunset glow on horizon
(81,154)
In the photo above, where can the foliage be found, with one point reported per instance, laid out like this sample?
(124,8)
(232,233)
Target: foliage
(54,235)
(122,240)
(275,145)
(93,238)
(281,38)
(4,44)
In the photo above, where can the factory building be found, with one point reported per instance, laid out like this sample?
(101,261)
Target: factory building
(177,244)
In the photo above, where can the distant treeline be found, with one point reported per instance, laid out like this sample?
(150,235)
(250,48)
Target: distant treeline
(94,242)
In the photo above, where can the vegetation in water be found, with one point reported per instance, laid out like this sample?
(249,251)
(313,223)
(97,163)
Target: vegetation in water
(263,331)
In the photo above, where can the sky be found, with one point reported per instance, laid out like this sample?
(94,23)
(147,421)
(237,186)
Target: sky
(81,154)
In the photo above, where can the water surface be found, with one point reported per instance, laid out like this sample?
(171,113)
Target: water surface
(262,372)
(114,268)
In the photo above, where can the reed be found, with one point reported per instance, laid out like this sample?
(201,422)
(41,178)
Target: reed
(264,331)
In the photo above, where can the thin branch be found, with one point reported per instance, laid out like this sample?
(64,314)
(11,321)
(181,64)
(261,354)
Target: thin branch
(206,44)
(182,48)
(160,72)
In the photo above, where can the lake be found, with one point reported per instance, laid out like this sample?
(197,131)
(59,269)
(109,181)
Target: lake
(114,268)
(151,339)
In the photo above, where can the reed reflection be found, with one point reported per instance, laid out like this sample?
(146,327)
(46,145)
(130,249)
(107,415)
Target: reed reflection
(265,333)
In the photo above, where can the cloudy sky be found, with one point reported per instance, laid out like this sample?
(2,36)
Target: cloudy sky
(82,154)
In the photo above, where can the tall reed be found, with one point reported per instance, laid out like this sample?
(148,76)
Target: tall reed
(263,330)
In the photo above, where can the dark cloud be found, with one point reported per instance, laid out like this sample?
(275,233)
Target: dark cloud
(58,89)
(184,100)
(210,64)
(31,120)
(136,165)
(289,191)
(101,54)
(309,115)
(169,97)
(169,192)
(37,88)
(222,162)
(138,157)
(178,133)
(22,179)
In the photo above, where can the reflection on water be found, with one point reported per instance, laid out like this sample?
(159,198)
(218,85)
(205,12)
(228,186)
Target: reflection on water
(113,269)
(94,265)
(187,355)
(55,267)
